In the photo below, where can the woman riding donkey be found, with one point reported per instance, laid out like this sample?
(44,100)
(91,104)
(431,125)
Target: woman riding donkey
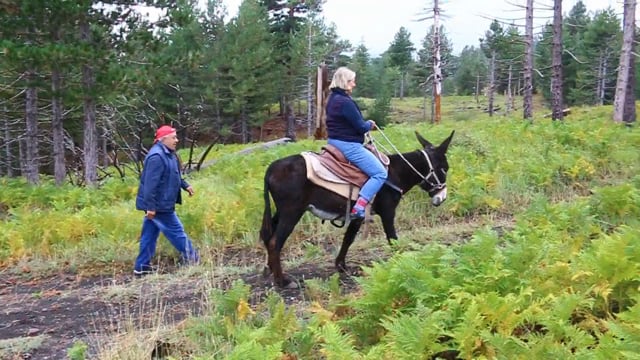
(346,129)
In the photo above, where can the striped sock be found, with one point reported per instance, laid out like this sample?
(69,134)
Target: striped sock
(360,204)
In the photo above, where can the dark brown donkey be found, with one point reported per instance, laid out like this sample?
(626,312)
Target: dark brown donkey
(293,194)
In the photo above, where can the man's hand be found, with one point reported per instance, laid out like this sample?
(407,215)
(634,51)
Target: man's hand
(150,214)
(190,191)
(373,125)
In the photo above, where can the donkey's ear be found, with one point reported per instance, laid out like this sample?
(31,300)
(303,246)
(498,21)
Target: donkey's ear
(424,142)
(445,144)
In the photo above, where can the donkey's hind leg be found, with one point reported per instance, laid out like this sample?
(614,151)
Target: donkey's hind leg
(274,224)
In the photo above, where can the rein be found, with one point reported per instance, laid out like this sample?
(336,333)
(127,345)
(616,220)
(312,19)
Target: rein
(438,185)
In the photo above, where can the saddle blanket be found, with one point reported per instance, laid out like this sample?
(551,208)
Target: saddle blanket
(321,176)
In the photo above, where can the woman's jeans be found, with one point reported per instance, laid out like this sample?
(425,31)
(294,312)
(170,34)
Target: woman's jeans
(364,159)
(169,224)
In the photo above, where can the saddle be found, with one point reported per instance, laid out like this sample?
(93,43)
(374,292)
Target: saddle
(332,171)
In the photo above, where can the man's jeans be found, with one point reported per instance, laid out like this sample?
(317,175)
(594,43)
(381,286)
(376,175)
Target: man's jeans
(364,159)
(173,230)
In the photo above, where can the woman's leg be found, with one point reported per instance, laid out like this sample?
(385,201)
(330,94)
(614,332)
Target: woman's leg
(369,164)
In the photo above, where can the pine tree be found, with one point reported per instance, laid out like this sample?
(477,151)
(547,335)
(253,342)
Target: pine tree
(595,74)
(361,64)
(401,55)
(471,73)
(287,20)
(252,79)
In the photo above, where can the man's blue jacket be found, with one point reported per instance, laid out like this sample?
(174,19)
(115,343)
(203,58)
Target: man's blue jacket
(161,181)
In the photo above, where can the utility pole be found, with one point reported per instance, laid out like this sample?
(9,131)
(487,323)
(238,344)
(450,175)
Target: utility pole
(437,70)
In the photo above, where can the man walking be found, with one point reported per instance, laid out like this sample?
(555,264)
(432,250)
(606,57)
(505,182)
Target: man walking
(158,193)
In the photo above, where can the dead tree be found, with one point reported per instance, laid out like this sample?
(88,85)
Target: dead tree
(437,66)
(556,63)
(492,82)
(623,89)
(528,62)
(90,145)
(30,161)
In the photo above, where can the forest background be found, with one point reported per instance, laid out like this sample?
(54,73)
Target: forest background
(84,84)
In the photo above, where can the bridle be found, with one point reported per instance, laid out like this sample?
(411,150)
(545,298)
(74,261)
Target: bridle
(437,185)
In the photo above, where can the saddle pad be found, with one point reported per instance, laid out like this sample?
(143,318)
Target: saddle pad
(321,176)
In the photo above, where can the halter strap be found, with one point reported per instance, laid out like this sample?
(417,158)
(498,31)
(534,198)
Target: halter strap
(438,185)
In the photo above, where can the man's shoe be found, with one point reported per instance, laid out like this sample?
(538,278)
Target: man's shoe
(145,271)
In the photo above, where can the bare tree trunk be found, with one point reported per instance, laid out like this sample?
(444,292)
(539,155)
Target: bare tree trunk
(626,57)
(630,98)
(6,143)
(477,89)
(90,145)
(104,145)
(310,121)
(556,63)
(22,153)
(433,104)
(57,129)
(509,97)
(290,119)
(598,95)
(245,127)
(492,81)
(31,161)
(437,65)
(528,63)
(603,78)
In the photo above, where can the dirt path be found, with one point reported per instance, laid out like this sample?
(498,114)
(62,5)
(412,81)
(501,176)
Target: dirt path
(42,317)
(61,309)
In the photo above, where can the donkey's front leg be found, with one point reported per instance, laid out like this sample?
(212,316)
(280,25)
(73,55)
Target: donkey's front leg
(388,224)
(349,237)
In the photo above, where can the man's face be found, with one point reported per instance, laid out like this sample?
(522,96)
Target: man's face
(170,141)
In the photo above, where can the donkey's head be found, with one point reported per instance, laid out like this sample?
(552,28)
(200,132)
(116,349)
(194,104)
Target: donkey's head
(435,180)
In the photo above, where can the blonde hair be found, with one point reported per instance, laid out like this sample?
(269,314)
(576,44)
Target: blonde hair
(341,77)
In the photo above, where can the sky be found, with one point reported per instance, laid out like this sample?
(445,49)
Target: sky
(375,22)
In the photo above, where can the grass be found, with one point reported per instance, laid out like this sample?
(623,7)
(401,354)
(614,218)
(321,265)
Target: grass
(500,167)
(21,347)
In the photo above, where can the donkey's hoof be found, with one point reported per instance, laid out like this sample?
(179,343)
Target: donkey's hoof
(287,283)
(266,272)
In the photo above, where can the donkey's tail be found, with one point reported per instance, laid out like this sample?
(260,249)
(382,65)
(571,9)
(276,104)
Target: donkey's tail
(266,230)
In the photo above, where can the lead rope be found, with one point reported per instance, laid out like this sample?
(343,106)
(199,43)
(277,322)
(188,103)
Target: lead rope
(399,153)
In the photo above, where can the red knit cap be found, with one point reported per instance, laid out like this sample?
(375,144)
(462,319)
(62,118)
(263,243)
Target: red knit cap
(163,131)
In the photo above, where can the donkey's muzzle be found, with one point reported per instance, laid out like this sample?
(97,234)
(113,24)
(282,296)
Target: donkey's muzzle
(439,197)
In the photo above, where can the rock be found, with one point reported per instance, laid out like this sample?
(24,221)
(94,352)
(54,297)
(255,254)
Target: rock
(33,331)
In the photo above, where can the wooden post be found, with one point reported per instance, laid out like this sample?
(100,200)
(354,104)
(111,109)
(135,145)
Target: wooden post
(322,93)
